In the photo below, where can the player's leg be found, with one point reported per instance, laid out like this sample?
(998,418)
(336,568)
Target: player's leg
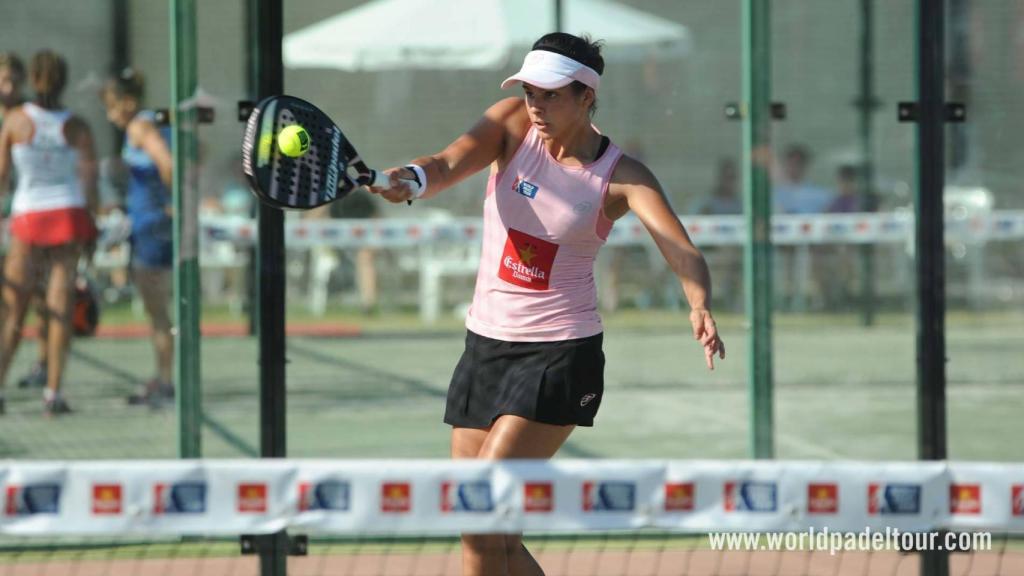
(481,553)
(19,279)
(60,293)
(154,286)
(36,378)
(518,437)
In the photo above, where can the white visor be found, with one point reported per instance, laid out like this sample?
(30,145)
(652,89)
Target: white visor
(549,70)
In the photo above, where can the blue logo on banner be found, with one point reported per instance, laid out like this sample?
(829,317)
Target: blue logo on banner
(526,189)
(329,495)
(181,498)
(896,499)
(754,497)
(609,496)
(467,497)
(33,499)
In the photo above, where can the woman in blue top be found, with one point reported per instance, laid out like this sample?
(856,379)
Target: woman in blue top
(147,156)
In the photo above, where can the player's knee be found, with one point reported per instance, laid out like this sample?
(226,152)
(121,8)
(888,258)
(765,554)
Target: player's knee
(513,544)
(484,544)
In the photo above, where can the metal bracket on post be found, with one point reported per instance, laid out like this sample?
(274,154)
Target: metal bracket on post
(956,112)
(296,545)
(734,111)
(245,108)
(204,115)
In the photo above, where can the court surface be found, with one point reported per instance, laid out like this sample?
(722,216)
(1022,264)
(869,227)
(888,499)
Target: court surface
(842,392)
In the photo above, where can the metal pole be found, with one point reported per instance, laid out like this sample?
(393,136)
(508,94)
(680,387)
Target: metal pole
(931,284)
(186,229)
(559,24)
(267,76)
(867,105)
(757,207)
(120,51)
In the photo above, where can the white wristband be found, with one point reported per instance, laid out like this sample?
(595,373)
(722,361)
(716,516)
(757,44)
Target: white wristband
(421,177)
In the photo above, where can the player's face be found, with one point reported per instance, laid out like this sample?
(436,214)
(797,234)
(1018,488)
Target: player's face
(552,112)
(120,109)
(10,87)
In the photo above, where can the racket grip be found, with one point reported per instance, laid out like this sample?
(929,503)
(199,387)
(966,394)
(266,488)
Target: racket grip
(381,180)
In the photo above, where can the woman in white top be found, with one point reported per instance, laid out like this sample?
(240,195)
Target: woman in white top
(51,215)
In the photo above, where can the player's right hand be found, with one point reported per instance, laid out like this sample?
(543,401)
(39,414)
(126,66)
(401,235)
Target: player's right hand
(398,189)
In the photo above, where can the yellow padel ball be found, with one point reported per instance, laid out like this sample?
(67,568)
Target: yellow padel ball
(293,141)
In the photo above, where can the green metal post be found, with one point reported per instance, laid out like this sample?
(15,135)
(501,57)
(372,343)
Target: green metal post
(867,106)
(266,78)
(757,254)
(186,228)
(930,247)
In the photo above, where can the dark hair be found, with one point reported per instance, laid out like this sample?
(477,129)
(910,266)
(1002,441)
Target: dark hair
(800,152)
(848,172)
(11,61)
(581,49)
(127,83)
(49,75)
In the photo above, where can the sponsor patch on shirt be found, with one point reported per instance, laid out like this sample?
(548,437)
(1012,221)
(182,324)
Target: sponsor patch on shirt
(525,188)
(527,261)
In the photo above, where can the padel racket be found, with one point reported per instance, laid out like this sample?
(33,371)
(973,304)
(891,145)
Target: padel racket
(328,169)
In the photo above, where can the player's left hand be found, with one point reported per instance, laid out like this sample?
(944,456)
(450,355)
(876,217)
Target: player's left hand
(706,332)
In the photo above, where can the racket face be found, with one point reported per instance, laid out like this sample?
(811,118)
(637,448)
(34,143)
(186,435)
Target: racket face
(327,171)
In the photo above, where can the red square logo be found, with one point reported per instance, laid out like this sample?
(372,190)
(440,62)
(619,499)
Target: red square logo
(729,496)
(395,497)
(527,261)
(11,501)
(965,499)
(305,496)
(538,497)
(1017,499)
(106,499)
(679,496)
(252,498)
(822,498)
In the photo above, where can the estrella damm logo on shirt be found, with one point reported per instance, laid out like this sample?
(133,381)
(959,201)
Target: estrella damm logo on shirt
(179,498)
(965,499)
(894,499)
(749,496)
(332,495)
(106,499)
(466,497)
(525,188)
(822,498)
(679,496)
(32,499)
(252,498)
(609,496)
(527,260)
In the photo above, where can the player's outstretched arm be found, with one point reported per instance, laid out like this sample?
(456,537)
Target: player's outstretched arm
(473,151)
(638,187)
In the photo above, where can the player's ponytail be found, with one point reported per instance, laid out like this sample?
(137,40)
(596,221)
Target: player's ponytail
(48,73)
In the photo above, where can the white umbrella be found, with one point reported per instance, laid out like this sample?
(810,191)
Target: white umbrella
(471,34)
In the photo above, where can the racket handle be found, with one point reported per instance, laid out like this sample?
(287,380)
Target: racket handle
(381,180)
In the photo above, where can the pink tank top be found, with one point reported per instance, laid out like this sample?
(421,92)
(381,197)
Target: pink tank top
(543,225)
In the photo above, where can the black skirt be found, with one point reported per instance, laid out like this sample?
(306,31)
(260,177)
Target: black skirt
(557,383)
